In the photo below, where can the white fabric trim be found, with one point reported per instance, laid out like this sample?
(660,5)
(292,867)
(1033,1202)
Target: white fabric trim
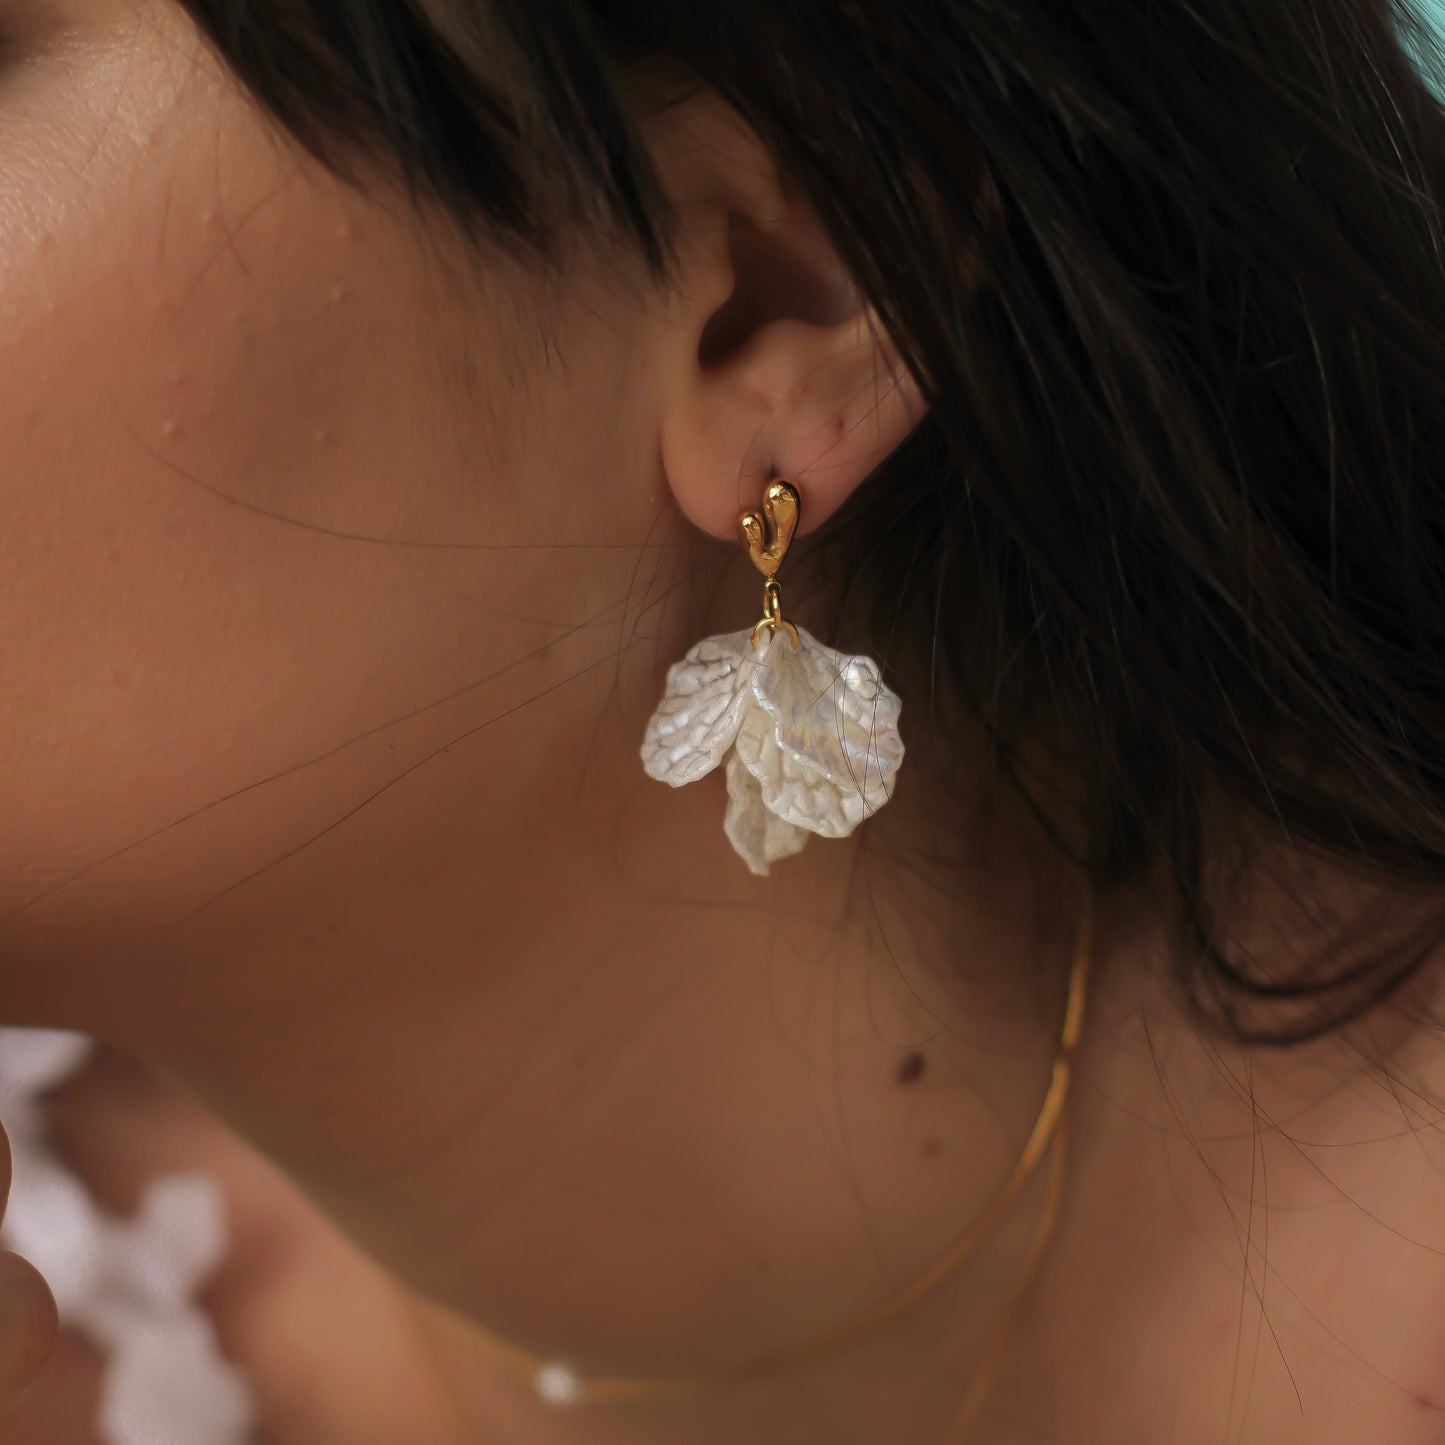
(123,1284)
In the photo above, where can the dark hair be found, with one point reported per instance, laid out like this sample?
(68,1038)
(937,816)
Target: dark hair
(1177,514)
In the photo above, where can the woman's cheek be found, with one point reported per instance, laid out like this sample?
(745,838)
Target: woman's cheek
(209,357)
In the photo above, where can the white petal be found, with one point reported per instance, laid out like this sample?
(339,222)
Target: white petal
(33,1060)
(798,796)
(758,834)
(835,724)
(701,709)
(169,1382)
(175,1239)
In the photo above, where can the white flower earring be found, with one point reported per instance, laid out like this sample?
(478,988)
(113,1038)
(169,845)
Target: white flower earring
(810,735)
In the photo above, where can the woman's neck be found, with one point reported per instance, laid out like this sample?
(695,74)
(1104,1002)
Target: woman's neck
(670,1119)
(658,1118)
(734,1144)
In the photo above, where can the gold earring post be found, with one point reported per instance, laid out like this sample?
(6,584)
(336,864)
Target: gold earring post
(766,535)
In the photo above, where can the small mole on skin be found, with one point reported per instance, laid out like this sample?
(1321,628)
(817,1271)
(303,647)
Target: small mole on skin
(911,1068)
(932,1148)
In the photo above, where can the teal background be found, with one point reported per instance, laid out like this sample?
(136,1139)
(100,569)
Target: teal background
(1432,67)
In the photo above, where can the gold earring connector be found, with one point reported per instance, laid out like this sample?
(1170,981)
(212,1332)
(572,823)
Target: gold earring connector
(766,535)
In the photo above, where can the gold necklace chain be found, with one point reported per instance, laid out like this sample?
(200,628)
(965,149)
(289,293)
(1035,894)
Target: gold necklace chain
(557,1384)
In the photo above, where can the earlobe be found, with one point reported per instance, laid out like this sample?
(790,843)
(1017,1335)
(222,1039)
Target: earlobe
(823,406)
(788,374)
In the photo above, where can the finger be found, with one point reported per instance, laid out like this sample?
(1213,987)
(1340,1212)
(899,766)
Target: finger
(4,1171)
(29,1327)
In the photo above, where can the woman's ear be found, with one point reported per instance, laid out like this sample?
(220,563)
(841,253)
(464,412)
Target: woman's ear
(777,366)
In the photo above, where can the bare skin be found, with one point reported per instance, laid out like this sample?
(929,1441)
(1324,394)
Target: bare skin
(28,1323)
(333,601)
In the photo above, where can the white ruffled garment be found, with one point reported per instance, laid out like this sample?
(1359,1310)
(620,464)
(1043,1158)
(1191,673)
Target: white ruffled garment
(123,1284)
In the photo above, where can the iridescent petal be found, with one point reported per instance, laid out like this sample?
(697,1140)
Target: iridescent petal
(835,724)
(701,709)
(758,834)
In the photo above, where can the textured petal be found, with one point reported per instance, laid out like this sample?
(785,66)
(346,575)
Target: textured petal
(758,834)
(835,725)
(798,795)
(701,709)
